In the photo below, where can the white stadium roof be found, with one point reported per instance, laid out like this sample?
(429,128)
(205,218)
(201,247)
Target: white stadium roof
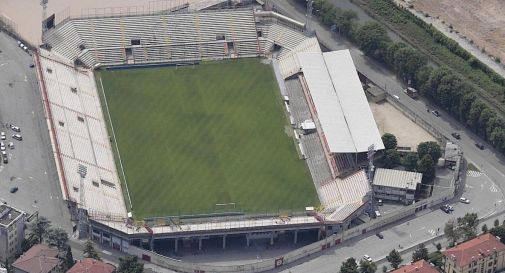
(342,108)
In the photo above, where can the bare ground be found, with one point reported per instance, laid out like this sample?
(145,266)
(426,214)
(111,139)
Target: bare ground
(481,21)
(390,120)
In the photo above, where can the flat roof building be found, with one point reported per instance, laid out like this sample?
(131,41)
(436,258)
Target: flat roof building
(396,185)
(12,226)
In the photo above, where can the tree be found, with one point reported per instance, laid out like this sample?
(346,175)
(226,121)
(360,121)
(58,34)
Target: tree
(373,40)
(58,238)
(438,246)
(484,228)
(468,225)
(66,259)
(420,253)
(410,162)
(436,258)
(344,20)
(39,229)
(384,269)
(349,266)
(389,141)
(394,258)
(496,222)
(407,61)
(451,232)
(499,231)
(391,158)
(429,148)
(130,264)
(426,166)
(367,267)
(90,252)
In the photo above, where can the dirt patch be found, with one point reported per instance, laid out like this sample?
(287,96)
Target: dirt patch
(481,21)
(390,120)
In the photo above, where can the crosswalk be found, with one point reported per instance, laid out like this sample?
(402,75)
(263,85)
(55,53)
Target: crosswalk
(472,173)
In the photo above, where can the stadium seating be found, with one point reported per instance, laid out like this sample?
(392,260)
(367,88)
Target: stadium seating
(170,37)
(81,135)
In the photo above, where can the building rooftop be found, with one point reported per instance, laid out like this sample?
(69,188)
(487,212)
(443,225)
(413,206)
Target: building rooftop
(451,151)
(475,249)
(397,178)
(89,265)
(340,102)
(421,266)
(8,215)
(38,259)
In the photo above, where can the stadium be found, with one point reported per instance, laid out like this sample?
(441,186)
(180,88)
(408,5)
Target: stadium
(204,121)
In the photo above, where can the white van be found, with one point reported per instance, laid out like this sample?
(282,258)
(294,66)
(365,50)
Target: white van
(377,213)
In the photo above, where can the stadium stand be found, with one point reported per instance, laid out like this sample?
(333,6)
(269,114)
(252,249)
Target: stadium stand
(76,119)
(173,37)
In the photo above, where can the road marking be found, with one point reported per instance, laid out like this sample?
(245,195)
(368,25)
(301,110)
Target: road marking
(3,64)
(473,173)
(106,252)
(51,197)
(468,186)
(1,168)
(493,188)
(26,78)
(432,232)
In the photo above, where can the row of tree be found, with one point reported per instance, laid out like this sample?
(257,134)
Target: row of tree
(395,260)
(441,85)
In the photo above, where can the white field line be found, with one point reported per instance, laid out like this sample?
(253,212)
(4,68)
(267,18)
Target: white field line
(115,142)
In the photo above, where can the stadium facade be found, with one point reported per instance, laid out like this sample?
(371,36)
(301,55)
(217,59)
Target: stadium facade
(319,87)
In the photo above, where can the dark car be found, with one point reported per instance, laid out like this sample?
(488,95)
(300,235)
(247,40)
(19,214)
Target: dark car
(436,113)
(14,189)
(379,235)
(456,135)
(446,209)
(32,65)
(5,160)
(480,146)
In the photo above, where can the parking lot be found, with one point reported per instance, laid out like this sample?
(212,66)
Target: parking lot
(30,167)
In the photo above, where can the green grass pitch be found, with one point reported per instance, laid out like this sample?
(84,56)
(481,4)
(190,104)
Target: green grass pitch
(196,136)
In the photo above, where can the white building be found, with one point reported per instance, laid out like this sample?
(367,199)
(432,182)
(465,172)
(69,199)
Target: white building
(12,226)
(396,185)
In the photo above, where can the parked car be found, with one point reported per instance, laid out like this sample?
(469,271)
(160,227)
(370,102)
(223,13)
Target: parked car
(14,189)
(11,145)
(377,213)
(32,65)
(367,258)
(456,135)
(446,208)
(379,202)
(436,113)
(2,146)
(464,200)
(17,137)
(396,97)
(15,128)
(5,160)
(480,146)
(379,235)
(2,136)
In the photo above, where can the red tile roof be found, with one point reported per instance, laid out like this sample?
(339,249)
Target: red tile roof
(479,247)
(38,259)
(89,265)
(421,266)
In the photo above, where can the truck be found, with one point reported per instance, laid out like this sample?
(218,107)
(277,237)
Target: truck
(411,92)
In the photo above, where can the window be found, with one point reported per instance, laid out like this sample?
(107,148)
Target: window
(95,184)
(73,89)
(76,189)
(220,37)
(135,42)
(79,118)
(490,264)
(82,47)
(61,123)
(49,70)
(259,33)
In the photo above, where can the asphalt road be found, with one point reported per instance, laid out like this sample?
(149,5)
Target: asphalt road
(31,165)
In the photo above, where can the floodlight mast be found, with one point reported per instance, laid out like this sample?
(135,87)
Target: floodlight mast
(44,3)
(308,16)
